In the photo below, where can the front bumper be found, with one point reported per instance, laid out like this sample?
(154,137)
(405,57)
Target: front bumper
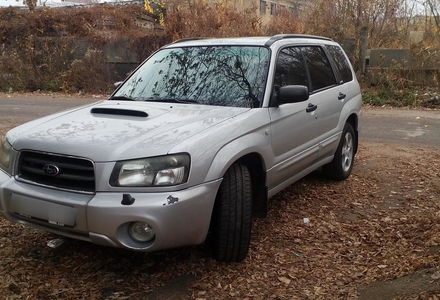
(102,219)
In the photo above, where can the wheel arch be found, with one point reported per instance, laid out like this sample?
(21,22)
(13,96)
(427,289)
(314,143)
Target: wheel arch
(353,120)
(257,169)
(256,165)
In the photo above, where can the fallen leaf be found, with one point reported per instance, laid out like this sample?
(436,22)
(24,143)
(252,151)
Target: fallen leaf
(284,280)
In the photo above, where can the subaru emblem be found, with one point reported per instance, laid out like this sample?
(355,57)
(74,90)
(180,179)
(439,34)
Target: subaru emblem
(51,170)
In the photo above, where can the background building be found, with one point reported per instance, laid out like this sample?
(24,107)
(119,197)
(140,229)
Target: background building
(272,7)
(269,8)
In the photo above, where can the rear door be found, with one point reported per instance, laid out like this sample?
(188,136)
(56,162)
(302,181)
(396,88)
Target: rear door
(344,73)
(325,94)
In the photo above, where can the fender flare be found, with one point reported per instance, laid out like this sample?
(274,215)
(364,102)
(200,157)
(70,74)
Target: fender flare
(230,153)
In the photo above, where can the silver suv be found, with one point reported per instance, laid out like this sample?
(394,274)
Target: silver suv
(190,146)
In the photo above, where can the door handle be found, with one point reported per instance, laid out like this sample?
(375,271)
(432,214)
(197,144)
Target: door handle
(311,107)
(342,96)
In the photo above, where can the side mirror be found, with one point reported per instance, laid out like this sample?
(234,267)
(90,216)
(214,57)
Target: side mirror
(293,94)
(117,84)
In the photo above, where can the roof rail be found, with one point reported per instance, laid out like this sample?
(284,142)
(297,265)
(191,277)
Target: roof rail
(279,37)
(189,39)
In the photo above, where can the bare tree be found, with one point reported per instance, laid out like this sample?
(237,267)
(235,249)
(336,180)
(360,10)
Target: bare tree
(434,7)
(345,18)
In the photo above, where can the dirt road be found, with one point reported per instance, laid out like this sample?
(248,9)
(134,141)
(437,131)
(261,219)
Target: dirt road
(374,236)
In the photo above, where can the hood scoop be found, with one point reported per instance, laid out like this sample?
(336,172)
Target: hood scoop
(119,112)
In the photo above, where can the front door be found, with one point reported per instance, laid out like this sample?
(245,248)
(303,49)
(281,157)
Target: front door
(294,143)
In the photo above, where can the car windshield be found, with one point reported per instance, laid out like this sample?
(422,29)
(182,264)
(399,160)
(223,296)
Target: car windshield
(215,75)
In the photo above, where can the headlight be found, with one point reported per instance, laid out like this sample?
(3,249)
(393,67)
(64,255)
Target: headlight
(155,171)
(5,156)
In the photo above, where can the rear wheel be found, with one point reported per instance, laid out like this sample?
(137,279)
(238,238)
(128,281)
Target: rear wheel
(341,166)
(232,218)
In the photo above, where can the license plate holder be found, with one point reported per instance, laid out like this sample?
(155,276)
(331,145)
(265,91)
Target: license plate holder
(53,213)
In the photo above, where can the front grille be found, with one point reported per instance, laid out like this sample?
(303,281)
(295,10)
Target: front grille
(69,173)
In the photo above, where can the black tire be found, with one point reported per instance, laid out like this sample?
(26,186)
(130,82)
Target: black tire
(338,168)
(232,216)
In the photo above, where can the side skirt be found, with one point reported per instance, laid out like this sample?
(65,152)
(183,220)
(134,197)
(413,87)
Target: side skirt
(272,192)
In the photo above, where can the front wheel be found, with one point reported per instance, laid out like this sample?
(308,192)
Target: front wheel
(232,218)
(341,166)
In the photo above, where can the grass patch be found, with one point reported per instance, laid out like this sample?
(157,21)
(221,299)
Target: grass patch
(390,97)
(409,97)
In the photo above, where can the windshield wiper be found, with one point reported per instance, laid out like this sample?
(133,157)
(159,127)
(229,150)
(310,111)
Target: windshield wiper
(171,100)
(125,98)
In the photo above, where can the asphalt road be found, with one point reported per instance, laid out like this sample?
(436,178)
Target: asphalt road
(409,127)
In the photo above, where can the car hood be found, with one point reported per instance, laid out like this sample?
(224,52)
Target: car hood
(105,137)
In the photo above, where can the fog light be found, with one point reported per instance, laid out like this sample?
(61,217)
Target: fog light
(141,232)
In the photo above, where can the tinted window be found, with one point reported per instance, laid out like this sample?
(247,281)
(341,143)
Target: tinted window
(290,69)
(217,75)
(341,63)
(320,69)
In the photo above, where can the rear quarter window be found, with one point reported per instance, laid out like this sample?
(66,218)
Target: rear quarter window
(341,63)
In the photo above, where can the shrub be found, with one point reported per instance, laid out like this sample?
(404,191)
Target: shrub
(65,49)
(200,18)
(88,74)
(47,49)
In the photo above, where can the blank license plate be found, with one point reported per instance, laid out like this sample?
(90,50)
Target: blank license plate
(39,209)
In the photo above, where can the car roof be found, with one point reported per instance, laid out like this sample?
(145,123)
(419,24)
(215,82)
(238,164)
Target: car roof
(249,41)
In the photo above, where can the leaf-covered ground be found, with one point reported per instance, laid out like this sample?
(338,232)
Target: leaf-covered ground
(374,236)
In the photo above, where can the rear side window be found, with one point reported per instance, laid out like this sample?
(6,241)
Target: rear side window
(321,72)
(341,63)
(290,68)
